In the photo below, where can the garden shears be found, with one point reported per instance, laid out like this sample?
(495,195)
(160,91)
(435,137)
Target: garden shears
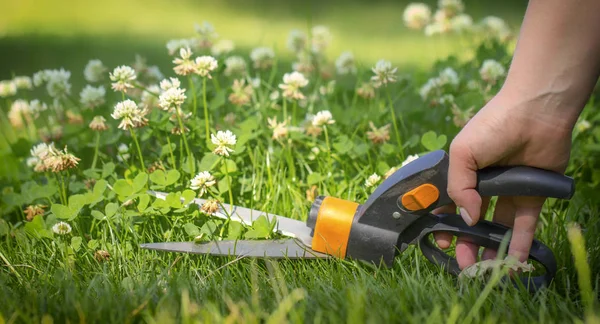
(397,214)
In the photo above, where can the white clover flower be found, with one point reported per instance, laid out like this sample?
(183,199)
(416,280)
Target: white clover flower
(495,27)
(167,84)
(434,29)
(296,41)
(183,64)
(39,78)
(255,82)
(461,23)
(582,125)
(41,150)
(123,151)
(473,85)
(416,15)
(222,47)
(130,114)
(171,98)
(262,57)
(372,180)
(280,130)
(448,76)
(61,228)
(153,74)
(202,181)
(37,106)
(321,37)
(446,99)
(207,32)
(235,65)
(409,159)
(122,76)
(92,97)
(43,154)
(174,45)
(98,124)
(442,18)
(23,82)
(274,95)
(431,85)
(322,118)
(18,110)
(224,141)
(205,65)
(451,7)
(292,82)
(491,71)
(345,64)
(7,88)
(94,71)
(57,85)
(384,73)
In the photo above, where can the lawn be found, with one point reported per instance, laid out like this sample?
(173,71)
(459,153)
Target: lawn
(74,214)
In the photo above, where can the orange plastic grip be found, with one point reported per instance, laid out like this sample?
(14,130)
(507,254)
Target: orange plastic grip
(332,229)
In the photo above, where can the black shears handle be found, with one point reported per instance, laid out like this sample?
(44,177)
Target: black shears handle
(513,181)
(399,212)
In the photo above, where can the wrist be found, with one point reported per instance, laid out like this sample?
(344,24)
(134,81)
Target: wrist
(553,103)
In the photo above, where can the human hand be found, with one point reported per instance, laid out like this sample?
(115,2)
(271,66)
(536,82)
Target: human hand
(508,131)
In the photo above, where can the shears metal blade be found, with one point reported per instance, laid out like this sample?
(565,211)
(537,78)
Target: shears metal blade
(297,246)
(287,248)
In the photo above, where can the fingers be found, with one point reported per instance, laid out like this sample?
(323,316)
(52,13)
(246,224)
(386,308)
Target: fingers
(466,253)
(462,180)
(526,215)
(443,240)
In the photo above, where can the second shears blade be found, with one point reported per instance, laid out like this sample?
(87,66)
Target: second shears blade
(287,248)
(285,226)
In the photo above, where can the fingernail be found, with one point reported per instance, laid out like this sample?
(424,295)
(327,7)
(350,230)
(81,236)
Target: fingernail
(465,215)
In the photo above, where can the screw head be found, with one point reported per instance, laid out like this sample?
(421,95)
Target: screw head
(396,215)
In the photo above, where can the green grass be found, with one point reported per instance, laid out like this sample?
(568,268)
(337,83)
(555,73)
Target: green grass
(47,276)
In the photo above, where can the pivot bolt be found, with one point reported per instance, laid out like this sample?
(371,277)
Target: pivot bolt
(396,215)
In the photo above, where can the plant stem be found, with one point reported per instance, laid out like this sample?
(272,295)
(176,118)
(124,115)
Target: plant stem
(396,132)
(187,148)
(328,147)
(206,121)
(229,185)
(62,189)
(96,150)
(137,145)
(193,94)
(171,152)
(284,109)
(294,108)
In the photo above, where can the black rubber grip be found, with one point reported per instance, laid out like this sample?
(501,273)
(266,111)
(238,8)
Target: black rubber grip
(523,181)
(484,233)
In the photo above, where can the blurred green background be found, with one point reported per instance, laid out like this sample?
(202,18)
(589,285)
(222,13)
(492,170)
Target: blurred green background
(37,34)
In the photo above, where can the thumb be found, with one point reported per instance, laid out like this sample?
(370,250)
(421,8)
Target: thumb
(462,180)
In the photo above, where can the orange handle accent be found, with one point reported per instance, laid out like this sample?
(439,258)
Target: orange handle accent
(332,229)
(421,197)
